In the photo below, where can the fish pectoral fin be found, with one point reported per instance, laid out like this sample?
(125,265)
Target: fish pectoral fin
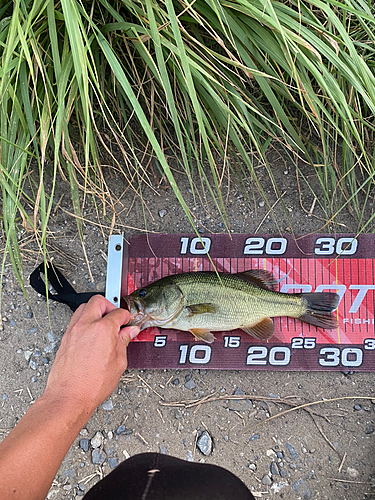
(262,330)
(201,309)
(202,334)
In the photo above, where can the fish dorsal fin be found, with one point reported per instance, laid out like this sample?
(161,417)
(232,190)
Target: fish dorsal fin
(260,277)
(202,334)
(202,309)
(262,330)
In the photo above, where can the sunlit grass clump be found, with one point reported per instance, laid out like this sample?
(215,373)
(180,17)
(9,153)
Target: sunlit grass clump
(207,79)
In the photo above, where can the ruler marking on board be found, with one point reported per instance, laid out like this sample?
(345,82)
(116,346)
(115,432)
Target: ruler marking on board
(295,345)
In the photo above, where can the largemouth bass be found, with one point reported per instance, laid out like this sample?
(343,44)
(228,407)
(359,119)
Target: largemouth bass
(205,302)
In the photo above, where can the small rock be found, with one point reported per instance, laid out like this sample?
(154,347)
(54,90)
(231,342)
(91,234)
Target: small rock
(353,473)
(32,330)
(291,450)
(45,361)
(369,429)
(239,404)
(27,355)
(204,443)
(12,323)
(108,405)
(32,364)
(122,430)
(252,466)
(302,489)
(253,437)
(274,470)
(163,450)
(270,453)
(113,462)
(5,397)
(266,480)
(283,473)
(279,455)
(97,440)
(261,203)
(189,456)
(84,444)
(175,381)
(98,457)
(29,314)
(162,213)
(190,384)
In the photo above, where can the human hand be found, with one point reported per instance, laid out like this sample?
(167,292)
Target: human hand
(92,355)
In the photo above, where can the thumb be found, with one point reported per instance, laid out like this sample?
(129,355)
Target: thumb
(128,333)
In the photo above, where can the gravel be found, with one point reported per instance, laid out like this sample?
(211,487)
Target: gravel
(84,444)
(98,457)
(293,453)
(204,443)
(97,440)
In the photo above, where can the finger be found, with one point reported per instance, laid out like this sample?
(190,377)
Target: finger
(119,317)
(97,307)
(128,333)
(76,315)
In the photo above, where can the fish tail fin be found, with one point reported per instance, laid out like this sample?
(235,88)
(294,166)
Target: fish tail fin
(319,307)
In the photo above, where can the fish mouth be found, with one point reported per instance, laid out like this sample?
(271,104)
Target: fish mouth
(137,316)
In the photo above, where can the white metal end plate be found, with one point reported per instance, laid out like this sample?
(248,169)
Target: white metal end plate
(114,269)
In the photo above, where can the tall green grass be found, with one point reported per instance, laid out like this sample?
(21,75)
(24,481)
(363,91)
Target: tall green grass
(206,79)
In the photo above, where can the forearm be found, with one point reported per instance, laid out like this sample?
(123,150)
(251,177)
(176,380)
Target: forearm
(33,451)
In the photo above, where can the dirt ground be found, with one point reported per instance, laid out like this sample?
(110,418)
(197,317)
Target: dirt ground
(327,454)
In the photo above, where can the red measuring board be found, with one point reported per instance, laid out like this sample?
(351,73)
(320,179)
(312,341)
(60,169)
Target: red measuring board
(342,263)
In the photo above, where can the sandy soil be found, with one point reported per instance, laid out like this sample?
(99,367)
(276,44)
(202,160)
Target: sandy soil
(327,454)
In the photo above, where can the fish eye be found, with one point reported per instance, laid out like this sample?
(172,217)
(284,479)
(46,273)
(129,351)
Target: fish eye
(142,293)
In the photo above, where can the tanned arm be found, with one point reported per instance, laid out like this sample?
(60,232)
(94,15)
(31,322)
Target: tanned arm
(87,368)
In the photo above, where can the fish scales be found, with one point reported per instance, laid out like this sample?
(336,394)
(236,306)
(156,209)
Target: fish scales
(239,302)
(206,301)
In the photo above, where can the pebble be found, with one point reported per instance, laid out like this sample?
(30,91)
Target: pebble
(266,480)
(189,456)
(353,473)
(291,450)
(190,384)
(97,440)
(123,431)
(279,455)
(274,470)
(84,444)
(302,489)
(12,323)
(252,466)
(32,330)
(358,407)
(369,429)
(162,213)
(27,355)
(175,381)
(98,457)
(204,443)
(108,405)
(32,364)
(261,203)
(5,397)
(253,437)
(30,314)
(113,462)
(163,450)
(239,404)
